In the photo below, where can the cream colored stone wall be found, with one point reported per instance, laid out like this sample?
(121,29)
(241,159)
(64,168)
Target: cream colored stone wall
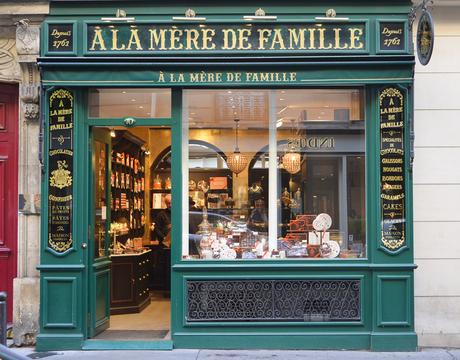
(19,45)
(437,185)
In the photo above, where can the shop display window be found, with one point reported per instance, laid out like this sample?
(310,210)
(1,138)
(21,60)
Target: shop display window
(132,102)
(274,174)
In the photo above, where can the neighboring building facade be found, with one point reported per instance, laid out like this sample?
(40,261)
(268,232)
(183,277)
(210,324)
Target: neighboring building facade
(437,184)
(19,163)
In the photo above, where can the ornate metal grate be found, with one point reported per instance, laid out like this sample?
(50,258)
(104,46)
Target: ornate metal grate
(273,300)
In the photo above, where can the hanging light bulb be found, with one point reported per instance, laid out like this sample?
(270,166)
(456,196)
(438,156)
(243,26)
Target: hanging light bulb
(112,133)
(291,160)
(236,161)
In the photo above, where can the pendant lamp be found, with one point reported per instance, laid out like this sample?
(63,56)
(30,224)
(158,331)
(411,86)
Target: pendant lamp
(236,161)
(291,160)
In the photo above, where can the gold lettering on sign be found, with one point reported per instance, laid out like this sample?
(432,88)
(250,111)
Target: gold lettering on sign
(59,43)
(296,39)
(277,39)
(208,34)
(192,37)
(215,37)
(157,39)
(312,39)
(227,34)
(321,40)
(263,37)
(57,34)
(355,38)
(175,38)
(243,39)
(98,40)
(115,40)
(392,36)
(134,39)
(337,46)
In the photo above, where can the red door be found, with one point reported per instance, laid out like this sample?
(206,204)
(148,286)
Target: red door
(8,189)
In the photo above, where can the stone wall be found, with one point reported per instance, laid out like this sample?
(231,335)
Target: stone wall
(19,48)
(437,185)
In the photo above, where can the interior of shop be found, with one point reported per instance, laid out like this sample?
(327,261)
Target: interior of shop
(137,228)
(269,174)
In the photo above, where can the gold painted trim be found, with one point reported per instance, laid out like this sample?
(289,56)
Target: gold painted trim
(225,83)
(368,79)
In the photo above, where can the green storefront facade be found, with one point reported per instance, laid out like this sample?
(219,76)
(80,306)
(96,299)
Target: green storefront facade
(364,45)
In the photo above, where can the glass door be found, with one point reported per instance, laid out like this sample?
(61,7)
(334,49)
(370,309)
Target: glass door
(99,270)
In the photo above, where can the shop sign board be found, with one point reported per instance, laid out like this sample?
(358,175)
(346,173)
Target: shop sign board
(392,36)
(209,77)
(156,39)
(60,38)
(60,165)
(392,189)
(425,38)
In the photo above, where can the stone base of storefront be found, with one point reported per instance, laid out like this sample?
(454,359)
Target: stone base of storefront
(440,340)
(26,293)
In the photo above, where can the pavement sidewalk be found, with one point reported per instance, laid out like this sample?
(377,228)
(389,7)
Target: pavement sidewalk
(424,354)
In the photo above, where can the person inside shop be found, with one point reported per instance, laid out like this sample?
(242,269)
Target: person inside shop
(162,227)
(258,219)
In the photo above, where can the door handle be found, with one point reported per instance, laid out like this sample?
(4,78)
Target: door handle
(84,245)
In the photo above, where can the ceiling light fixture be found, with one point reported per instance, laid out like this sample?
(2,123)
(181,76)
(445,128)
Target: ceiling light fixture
(120,16)
(331,15)
(190,15)
(292,159)
(260,15)
(236,161)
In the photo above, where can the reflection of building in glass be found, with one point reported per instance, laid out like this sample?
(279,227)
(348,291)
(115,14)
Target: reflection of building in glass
(322,128)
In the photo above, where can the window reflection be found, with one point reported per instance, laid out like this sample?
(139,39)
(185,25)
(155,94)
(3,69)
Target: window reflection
(282,174)
(137,103)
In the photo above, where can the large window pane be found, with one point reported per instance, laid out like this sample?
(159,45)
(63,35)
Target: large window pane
(119,103)
(226,128)
(298,192)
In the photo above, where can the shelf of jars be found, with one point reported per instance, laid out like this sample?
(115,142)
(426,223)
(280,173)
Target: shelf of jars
(128,191)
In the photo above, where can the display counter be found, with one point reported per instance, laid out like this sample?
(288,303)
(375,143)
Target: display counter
(130,282)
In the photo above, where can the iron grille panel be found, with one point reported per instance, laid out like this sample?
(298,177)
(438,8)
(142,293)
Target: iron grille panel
(273,300)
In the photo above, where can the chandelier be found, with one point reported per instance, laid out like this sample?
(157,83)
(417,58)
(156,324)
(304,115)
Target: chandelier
(236,161)
(291,160)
